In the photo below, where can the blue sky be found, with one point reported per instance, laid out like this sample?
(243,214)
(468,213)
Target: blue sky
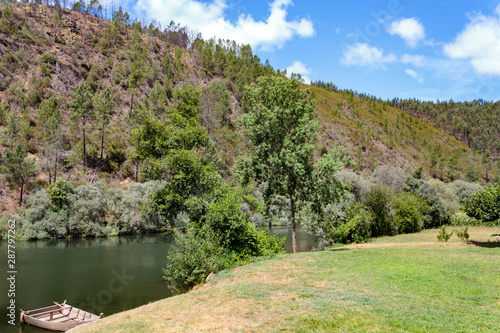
(393,48)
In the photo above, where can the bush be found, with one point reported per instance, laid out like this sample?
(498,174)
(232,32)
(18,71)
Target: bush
(461,219)
(484,205)
(356,229)
(408,217)
(435,213)
(38,220)
(379,202)
(193,258)
(355,184)
(464,189)
(444,236)
(390,176)
(447,195)
(90,211)
(58,193)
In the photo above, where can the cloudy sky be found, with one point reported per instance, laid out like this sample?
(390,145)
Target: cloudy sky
(392,48)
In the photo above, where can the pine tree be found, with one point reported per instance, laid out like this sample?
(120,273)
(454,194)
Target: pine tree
(18,170)
(104,105)
(82,111)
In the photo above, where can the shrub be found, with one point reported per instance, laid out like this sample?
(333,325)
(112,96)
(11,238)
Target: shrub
(379,202)
(435,213)
(460,218)
(354,183)
(484,205)
(464,189)
(447,195)
(356,229)
(58,192)
(408,217)
(193,258)
(39,220)
(390,176)
(444,236)
(463,234)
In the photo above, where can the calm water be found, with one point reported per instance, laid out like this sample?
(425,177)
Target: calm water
(98,275)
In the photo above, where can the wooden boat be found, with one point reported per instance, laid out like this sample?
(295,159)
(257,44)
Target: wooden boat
(58,317)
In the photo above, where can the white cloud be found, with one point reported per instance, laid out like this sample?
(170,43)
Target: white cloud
(410,29)
(365,55)
(415,75)
(209,19)
(479,42)
(299,68)
(414,59)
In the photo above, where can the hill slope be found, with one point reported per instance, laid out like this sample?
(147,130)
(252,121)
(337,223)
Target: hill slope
(47,52)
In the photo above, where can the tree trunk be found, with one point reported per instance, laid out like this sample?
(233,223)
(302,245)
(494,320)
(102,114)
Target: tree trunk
(55,167)
(102,141)
(131,105)
(84,151)
(21,199)
(294,237)
(49,171)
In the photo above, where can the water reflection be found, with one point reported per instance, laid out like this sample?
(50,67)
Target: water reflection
(305,241)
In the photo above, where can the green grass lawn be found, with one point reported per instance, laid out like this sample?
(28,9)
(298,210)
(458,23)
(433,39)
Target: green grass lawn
(408,283)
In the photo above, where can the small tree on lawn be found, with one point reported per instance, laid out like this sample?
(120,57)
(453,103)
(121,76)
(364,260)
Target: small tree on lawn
(18,170)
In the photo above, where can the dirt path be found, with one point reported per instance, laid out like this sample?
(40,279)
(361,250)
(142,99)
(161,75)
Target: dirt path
(373,245)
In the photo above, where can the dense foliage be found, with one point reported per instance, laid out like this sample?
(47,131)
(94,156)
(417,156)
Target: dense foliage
(394,202)
(484,205)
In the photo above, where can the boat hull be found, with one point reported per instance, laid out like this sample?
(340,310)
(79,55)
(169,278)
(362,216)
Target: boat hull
(58,317)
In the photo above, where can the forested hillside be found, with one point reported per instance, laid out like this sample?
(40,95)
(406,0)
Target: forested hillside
(88,96)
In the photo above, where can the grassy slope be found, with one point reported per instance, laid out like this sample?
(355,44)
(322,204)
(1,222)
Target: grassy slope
(360,126)
(403,283)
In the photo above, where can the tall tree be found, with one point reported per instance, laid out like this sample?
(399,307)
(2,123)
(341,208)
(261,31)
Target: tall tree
(139,67)
(18,170)
(49,122)
(104,105)
(82,111)
(53,137)
(281,130)
(487,163)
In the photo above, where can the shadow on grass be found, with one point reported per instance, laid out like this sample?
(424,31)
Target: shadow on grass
(485,244)
(339,249)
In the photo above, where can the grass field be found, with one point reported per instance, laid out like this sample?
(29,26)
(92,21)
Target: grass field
(408,283)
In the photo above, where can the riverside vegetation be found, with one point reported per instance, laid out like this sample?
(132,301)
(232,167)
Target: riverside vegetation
(116,127)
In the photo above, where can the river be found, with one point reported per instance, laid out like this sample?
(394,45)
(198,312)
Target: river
(106,275)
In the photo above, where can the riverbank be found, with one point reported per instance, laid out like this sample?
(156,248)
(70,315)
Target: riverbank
(407,282)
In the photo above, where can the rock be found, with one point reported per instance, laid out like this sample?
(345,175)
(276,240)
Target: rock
(209,277)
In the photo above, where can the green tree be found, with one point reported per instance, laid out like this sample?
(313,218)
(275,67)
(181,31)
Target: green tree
(13,129)
(82,111)
(487,163)
(472,174)
(437,159)
(49,121)
(53,137)
(454,165)
(281,130)
(104,110)
(18,170)
(139,66)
